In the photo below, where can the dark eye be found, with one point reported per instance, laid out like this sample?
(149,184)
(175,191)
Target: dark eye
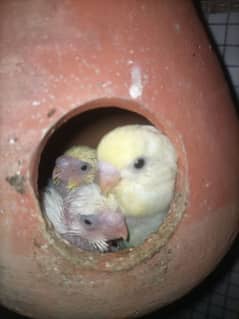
(87,221)
(84,167)
(139,163)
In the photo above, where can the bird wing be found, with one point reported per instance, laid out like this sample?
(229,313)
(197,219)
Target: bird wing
(53,208)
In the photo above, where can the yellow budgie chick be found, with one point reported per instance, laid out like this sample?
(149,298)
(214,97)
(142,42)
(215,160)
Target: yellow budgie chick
(76,167)
(138,164)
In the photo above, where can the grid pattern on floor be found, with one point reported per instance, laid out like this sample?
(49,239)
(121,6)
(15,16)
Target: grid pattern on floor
(224,28)
(216,298)
(215,6)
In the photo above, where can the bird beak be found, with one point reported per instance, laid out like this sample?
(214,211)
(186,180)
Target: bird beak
(114,226)
(108,176)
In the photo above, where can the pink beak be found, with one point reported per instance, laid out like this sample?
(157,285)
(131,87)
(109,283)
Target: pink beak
(108,176)
(114,225)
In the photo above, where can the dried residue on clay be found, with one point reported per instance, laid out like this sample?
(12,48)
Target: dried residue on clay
(136,87)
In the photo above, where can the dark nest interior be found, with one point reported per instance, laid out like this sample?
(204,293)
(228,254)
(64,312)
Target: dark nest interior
(86,128)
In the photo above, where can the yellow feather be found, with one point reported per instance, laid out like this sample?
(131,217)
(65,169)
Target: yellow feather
(83,153)
(140,192)
(144,194)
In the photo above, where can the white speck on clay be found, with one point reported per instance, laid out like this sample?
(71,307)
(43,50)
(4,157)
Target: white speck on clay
(36,103)
(130,62)
(12,140)
(136,88)
(131,51)
(106,84)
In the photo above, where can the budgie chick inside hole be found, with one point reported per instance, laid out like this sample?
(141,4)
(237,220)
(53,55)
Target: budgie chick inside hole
(74,205)
(138,165)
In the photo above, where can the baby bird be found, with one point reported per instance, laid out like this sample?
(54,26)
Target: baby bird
(138,165)
(76,167)
(74,205)
(85,218)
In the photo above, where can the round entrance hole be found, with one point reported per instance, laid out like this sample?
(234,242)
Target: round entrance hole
(87,128)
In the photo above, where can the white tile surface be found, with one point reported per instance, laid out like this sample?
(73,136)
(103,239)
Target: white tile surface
(225,31)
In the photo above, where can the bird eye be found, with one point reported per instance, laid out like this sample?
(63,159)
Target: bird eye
(139,163)
(90,222)
(87,221)
(84,167)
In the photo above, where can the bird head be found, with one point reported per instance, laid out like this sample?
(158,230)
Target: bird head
(76,167)
(138,164)
(93,217)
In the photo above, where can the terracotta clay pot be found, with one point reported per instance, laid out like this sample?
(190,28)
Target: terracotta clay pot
(72,70)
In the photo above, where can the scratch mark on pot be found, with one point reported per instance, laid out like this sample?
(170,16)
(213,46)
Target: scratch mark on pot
(136,88)
(18,182)
(51,112)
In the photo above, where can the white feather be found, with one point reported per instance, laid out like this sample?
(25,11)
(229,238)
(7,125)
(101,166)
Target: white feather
(52,203)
